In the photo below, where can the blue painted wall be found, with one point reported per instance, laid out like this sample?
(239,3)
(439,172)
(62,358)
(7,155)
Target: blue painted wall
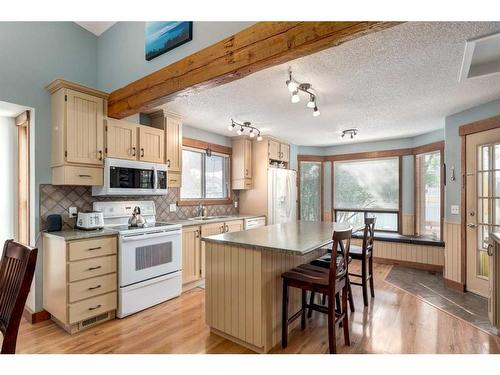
(120,50)
(452,152)
(33,54)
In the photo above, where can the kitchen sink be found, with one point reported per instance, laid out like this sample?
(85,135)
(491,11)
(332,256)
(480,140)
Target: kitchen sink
(205,218)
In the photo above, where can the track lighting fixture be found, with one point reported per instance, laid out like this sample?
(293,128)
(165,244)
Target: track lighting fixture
(253,131)
(294,87)
(312,102)
(349,132)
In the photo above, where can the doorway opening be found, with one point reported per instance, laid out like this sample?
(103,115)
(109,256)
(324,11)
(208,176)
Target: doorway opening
(16,196)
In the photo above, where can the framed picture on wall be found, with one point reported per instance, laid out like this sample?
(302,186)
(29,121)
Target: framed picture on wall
(163,36)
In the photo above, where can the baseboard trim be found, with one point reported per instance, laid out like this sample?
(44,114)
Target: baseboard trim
(455,285)
(404,263)
(35,317)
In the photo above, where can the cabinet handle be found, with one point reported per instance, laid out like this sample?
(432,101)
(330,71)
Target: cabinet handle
(100,155)
(197,233)
(94,268)
(168,163)
(84,175)
(95,307)
(133,151)
(246,172)
(95,287)
(222,229)
(94,248)
(142,152)
(226,228)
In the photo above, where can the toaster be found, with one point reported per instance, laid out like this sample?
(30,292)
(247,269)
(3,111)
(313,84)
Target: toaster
(90,220)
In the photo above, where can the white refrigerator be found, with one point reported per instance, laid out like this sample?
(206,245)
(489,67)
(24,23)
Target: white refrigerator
(281,195)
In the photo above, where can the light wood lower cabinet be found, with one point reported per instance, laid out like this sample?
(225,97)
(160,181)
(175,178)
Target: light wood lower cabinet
(190,254)
(79,280)
(193,249)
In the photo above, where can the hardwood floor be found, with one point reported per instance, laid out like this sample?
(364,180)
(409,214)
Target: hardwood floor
(397,322)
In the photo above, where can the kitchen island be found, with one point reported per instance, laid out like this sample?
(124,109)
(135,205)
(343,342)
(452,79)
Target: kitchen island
(243,278)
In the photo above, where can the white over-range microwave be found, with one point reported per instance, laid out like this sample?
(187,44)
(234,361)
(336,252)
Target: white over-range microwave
(131,177)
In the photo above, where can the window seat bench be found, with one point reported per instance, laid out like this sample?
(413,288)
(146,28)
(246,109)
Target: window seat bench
(396,237)
(409,251)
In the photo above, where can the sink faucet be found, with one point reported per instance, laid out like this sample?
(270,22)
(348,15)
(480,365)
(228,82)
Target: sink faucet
(202,210)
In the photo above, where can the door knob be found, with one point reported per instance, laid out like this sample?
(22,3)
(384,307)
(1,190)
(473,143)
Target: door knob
(471,225)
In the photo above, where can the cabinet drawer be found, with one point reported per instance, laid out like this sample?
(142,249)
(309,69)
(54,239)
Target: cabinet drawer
(83,269)
(91,248)
(73,175)
(174,179)
(91,307)
(92,287)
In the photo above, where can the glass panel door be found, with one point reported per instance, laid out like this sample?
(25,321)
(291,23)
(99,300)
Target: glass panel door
(310,190)
(482,205)
(488,202)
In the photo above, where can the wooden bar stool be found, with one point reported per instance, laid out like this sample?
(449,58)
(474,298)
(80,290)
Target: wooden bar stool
(329,281)
(17,267)
(365,255)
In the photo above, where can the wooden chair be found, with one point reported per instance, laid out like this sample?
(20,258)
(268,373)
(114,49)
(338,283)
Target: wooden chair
(17,267)
(365,255)
(329,281)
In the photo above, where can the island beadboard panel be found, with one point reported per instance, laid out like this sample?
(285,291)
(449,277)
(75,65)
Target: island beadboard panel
(57,199)
(244,293)
(419,256)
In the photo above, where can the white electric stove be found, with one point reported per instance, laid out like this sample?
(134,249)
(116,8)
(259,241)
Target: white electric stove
(149,257)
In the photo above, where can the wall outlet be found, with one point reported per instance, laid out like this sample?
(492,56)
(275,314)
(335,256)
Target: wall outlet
(455,209)
(72,211)
(172,207)
(235,204)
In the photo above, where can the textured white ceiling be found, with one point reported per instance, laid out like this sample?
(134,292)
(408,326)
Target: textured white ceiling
(399,82)
(96,27)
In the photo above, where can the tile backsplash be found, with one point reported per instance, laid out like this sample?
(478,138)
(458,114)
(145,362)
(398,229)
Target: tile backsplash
(57,199)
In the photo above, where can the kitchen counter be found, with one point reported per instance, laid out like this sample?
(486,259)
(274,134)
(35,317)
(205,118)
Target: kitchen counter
(300,237)
(188,223)
(243,282)
(76,234)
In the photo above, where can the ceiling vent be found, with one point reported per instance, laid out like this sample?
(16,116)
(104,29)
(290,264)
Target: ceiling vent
(481,57)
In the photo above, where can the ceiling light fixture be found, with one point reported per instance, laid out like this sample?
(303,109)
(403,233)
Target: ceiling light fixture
(294,87)
(295,96)
(253,131)
(350,132)
(312,102)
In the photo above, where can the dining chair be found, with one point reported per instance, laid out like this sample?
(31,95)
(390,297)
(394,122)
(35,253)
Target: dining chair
(364,254)
(17,267)
(330,281)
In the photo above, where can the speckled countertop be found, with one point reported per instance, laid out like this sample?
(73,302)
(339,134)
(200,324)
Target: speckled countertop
(299,237)
(75,234)
(188,223)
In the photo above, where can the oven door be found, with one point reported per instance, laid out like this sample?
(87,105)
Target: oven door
(146,256)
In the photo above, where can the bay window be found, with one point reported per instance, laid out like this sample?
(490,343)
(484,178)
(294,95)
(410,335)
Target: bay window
(428,210)
(368,188)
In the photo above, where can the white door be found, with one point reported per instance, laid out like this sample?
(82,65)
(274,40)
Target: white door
(482,205)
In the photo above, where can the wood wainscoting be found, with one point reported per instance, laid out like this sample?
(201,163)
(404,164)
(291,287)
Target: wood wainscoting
(453,266)
(408,225)
(416,256)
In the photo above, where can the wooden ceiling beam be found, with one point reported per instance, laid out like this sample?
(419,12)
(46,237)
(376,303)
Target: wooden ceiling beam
(258,47)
